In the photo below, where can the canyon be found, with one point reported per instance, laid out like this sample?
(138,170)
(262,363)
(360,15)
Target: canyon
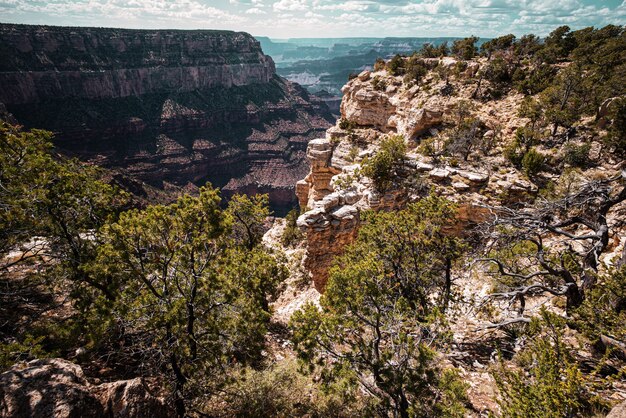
(173,109)
(446,205)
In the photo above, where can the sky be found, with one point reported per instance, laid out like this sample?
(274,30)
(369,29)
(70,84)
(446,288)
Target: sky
(281,19)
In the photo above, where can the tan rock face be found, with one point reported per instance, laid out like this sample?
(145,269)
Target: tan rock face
(364,106)
(618,412)
(393,109)
(47,388)
(316,184)
(327,233)
(58,388)
(131,399)
(333,219)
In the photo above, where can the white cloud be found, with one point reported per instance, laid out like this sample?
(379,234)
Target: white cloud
(256,11)
(351,6)
(131,9)
(291,5)
(316,18)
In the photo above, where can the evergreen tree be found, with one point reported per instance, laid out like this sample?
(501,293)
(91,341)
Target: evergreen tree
(380,315)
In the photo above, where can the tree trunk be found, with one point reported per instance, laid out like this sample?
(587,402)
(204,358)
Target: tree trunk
(475,94)
(555,129)
(574,298)
(448,285)
(179,400)
(403,405)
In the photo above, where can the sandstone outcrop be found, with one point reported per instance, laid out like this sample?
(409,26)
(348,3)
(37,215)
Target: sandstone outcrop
(58,388)
(336,194)
(170,107)
(389,110)
(131,399)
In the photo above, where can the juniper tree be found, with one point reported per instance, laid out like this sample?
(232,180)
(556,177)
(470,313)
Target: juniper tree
(553,247)
(380,315)
(192,297)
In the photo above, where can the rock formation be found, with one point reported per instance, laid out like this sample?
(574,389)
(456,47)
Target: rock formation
(385,110)
(173,107)
(335,193)
(58,388)
(332,223)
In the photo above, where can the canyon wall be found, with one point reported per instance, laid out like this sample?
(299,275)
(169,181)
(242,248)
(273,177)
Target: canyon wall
(335,191)
(169,107)
(42,63)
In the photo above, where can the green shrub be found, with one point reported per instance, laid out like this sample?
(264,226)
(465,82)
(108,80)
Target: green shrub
(291,234)
(498,44)
(497,71)
(532,162)
(525,138)
(603,313)
(513,154)
(465,48)
(428,147)
(396,65)
(379,65)
(379,84)
(347,125)
(431,51)
(547,382)
(415,69)
(460,67)
(576,155)
(280,390)
(353,153)
(30,349)
(443,49)
(531,109)
(428,51)
(465,136)
(381,168)
(533,80)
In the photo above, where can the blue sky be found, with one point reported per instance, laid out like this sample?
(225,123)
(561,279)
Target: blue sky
(325,18)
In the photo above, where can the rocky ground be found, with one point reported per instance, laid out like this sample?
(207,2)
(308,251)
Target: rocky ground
(335,194)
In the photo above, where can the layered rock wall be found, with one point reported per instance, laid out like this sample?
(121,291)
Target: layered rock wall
(168,107)
(48,63)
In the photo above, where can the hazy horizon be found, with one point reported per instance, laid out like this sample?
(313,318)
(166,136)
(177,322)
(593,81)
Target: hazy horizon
(284,19)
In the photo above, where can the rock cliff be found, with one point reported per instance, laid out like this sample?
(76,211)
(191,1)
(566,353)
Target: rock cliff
(377,105)
(171,107)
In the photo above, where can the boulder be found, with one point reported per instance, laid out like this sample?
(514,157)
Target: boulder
(440,174)
(58,388)
(460,186)
(618,412)
(131,399)
(473,176)
(47,388)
